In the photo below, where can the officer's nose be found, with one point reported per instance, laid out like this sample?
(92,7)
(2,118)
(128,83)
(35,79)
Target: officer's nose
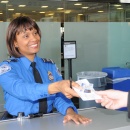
(33,37)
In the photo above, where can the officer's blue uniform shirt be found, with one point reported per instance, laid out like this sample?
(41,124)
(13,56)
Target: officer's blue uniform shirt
(21,93)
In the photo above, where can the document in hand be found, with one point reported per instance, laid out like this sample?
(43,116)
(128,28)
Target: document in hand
(87,92)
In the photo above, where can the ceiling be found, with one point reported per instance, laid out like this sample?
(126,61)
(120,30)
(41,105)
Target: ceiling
(33,8)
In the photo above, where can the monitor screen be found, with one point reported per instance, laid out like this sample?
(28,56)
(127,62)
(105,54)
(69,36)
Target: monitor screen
(70,50)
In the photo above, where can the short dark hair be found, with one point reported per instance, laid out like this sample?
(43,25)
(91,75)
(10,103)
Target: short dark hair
(19,24)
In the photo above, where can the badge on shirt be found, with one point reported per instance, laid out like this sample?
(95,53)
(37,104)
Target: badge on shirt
(50,76)
(4,68)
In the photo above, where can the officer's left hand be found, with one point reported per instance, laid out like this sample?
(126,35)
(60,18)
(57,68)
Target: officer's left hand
(78,119)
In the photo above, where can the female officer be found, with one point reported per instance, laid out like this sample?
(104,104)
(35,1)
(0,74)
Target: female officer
(22,92)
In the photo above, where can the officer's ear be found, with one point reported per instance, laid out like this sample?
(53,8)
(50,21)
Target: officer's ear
(15,44)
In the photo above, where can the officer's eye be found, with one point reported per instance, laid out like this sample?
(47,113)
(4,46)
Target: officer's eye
(35,33)
(25,36)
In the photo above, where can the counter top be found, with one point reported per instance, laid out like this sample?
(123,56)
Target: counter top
(102,119)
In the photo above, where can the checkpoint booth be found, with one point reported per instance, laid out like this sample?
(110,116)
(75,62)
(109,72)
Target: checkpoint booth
(118,79)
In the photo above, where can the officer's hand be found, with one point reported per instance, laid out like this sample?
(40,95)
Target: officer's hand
(78,119)
(64,87)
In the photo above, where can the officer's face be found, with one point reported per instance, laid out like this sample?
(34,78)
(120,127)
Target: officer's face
(28,43)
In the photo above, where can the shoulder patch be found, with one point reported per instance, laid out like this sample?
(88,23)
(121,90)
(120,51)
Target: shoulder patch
(48,60)
(11,60)
(4,68)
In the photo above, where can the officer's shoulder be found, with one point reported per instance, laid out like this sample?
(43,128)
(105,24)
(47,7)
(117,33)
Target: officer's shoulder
(11,60)
(5,66)
(45,60)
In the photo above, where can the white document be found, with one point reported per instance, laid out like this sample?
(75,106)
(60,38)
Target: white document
(87,92)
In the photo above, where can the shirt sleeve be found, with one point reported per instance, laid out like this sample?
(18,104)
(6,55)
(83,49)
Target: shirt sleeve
(57,73)
(13,84)
(62,104)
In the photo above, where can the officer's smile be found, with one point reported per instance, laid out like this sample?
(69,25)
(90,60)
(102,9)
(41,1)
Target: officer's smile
(34,45)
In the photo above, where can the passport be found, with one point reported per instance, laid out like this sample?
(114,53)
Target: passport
(87,91)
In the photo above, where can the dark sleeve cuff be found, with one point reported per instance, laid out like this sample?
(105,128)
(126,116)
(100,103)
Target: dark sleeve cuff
(128,104)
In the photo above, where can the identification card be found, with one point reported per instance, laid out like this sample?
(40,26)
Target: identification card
(87,92)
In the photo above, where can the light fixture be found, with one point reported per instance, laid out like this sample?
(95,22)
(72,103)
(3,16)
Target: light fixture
(41,12)
(21,5)
(44,6)
(125,1)
(85,7)
(78,4)
(80,14)
(100,11)
(67,11)
(60,8)
(17,13)
(119,8)
(117,5)
(10,9)
(4,1)
(51,14)
(1,13)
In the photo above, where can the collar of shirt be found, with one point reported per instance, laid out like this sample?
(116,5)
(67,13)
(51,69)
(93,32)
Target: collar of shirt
(27,62)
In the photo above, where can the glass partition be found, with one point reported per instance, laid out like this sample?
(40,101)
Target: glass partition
(92,42)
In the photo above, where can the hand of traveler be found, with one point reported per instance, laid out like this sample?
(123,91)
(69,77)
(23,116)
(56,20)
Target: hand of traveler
(112,99)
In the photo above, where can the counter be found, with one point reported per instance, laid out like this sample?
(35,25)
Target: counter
(102,119)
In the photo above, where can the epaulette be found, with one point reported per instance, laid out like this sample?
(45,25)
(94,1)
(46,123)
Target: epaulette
(11,60)
(48,60)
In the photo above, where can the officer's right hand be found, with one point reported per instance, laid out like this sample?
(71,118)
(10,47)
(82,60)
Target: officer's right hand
(64,87)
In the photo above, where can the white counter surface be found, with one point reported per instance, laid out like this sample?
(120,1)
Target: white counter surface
(102,119)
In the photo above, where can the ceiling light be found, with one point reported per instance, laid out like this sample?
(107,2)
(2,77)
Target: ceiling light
(117,5)
(17,13)
(85,7)
(10,9)
(67,11)
(80,14)
(4,1)
(41,12)
(21,5)
(125,1)
(60,8)
(100,11)
(44,6)
(78,4)
(50,14)
(1,13)
(119,8)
